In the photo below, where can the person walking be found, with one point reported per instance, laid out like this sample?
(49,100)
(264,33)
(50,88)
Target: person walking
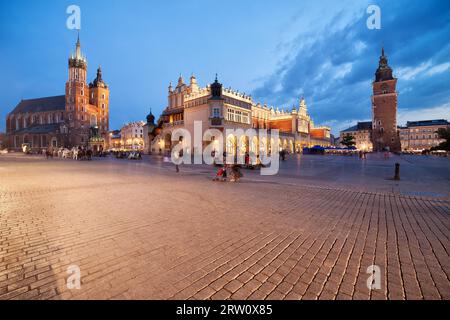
(247,159)
(283,154)
(224,173)
(180,155)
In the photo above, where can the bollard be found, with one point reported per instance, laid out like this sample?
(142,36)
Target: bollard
(397,171)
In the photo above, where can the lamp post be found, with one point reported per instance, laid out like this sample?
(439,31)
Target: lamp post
(397,172)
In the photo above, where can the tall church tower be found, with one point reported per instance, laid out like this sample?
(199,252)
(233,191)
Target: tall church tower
(77,98)
(384,109)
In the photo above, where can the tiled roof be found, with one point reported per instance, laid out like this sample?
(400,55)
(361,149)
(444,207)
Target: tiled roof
(427,123)
(57,103)
(367,125)
(354,128)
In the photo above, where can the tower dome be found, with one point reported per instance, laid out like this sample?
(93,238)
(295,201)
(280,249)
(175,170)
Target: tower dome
(150,117)
(98,81)
(384,71)
(216,89)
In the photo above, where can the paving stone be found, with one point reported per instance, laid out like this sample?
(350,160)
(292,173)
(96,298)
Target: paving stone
(140,231)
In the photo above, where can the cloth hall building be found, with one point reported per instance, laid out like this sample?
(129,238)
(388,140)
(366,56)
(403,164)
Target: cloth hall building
(223,108)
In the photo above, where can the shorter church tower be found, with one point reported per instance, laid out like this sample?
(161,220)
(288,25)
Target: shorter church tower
(385,134)
(99,97)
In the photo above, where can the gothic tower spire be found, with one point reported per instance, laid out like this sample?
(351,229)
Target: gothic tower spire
(78,48)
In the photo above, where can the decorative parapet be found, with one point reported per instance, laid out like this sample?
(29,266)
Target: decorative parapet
(203,92)
(228,92)
(173,124)
(237,95)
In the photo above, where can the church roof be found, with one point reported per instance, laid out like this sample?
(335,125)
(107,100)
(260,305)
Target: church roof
(40,129)
(98,81)
(57,103)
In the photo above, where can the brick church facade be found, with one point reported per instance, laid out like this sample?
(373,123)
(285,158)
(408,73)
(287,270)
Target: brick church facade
(78,118)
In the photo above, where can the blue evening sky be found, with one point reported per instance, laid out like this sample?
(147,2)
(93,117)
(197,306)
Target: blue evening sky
(277,51)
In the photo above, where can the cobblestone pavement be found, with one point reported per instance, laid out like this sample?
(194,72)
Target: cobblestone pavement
(141,231)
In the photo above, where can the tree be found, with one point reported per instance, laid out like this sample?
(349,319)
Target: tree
(443,134)
(348,141)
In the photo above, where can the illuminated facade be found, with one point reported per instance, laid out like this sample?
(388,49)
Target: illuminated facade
(132,136)
(416,136)
(114,140)
(223,108)
(422,135)
(78,118)
(362,134)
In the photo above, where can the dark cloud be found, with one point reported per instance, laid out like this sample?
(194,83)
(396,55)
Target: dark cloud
(412,33)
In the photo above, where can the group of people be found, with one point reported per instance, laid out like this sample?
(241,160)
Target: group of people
(230,173)
(131,155)
(76,153)
(82,153)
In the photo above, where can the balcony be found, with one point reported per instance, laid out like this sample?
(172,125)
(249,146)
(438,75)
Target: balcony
(216,122)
